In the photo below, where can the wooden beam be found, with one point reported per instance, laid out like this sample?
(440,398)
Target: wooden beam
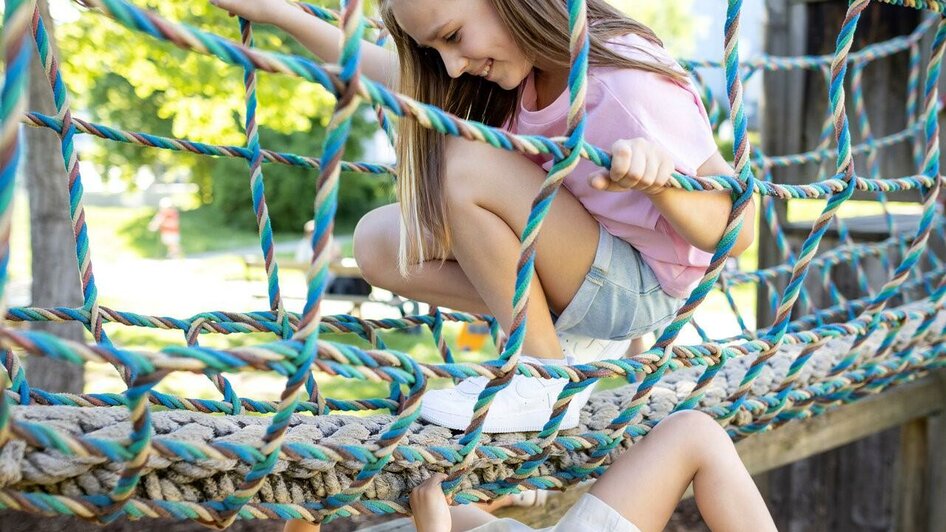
(936,428)
(848,423)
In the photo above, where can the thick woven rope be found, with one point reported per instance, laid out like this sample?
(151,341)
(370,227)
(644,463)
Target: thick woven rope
(145,454)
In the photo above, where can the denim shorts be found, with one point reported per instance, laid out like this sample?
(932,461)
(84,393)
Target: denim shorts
(620,297)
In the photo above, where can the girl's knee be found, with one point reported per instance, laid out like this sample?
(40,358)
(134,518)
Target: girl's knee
(691,425)
(374,244)
(699,433)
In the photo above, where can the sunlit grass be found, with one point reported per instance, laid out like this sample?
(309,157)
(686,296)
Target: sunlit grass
(101,378)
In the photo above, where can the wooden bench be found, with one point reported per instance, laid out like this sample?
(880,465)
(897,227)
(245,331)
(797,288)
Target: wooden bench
(344,269)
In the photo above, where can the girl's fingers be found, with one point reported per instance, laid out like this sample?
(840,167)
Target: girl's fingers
(621,154)
(649,175)
(635,171)
(635,165)
(665,173)
(657,178)
(600,181)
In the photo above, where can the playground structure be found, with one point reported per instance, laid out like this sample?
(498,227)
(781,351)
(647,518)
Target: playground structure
(144,454)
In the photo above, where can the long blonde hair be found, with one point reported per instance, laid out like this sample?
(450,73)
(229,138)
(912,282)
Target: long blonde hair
(540,29)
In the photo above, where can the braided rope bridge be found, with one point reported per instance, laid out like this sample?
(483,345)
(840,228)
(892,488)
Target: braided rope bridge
(146,454)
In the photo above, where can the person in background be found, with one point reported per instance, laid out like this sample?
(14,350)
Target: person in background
(167,222)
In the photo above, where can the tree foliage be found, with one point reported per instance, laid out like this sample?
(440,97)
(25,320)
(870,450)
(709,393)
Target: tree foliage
(673,22)
(200,95)
(131,81)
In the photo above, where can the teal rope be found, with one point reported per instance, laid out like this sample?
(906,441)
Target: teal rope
(298,351)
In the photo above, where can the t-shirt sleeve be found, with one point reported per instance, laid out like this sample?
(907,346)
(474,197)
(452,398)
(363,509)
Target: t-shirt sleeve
(674,117)
(670,114)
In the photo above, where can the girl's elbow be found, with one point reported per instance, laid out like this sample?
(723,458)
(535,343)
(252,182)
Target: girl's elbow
(745,239)
(742,243)
(747,233)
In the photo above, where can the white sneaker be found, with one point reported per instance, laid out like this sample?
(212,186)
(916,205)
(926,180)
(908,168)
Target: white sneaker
(579,349)
(525,405)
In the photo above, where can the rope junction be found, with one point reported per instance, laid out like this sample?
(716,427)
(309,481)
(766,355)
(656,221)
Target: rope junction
(146,454)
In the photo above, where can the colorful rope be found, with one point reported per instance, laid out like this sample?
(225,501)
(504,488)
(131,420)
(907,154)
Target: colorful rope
(298,353)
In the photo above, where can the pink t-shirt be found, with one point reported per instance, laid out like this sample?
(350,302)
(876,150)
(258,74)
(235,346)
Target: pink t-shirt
(627,104)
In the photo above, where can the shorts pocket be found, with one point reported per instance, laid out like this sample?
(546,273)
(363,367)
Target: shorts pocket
(576,312)
(612,314)
(656,310)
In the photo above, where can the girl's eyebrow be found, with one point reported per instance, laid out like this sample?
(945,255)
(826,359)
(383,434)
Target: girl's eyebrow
(432,36)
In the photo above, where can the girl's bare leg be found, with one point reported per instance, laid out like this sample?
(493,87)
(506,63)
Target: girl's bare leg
(686,447)
(298,525)
(437,283)
(636,347)
(489,194)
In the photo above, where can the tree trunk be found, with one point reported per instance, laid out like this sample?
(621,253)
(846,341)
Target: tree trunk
(54,269)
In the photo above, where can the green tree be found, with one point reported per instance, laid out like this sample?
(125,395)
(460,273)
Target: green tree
(673,22)
(290,192)
(134,82)
(200,95)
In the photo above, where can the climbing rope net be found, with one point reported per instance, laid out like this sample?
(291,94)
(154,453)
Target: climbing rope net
(146,454)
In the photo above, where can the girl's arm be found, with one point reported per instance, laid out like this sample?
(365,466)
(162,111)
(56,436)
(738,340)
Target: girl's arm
(429,506)
(699,217)
(318,36)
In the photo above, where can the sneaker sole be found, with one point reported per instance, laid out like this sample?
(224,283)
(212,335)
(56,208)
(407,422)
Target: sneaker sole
(498,426)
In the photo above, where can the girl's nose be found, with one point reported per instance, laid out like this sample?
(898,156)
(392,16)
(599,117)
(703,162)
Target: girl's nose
(455,64)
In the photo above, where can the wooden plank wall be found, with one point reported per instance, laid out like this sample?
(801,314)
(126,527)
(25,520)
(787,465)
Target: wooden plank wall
(879,482)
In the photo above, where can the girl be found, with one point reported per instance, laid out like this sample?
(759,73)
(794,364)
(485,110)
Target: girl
(619,251)
(685,448)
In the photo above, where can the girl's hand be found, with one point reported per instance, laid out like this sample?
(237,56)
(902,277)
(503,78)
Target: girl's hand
(636,164)
(429,506)
(264,11)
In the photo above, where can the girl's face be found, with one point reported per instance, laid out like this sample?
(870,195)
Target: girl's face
(468,34)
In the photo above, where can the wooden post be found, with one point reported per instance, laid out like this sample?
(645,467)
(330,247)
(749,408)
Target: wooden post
(911,509)
(849,488)
(782,110)
(936,432)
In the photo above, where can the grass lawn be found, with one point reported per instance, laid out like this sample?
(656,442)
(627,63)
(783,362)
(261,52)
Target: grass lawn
(125,230)
(101,378)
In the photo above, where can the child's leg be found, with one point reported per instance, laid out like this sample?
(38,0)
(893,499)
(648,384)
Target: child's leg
(636,347)
(489,194)
(443,284)
(299,525)
(646,483)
